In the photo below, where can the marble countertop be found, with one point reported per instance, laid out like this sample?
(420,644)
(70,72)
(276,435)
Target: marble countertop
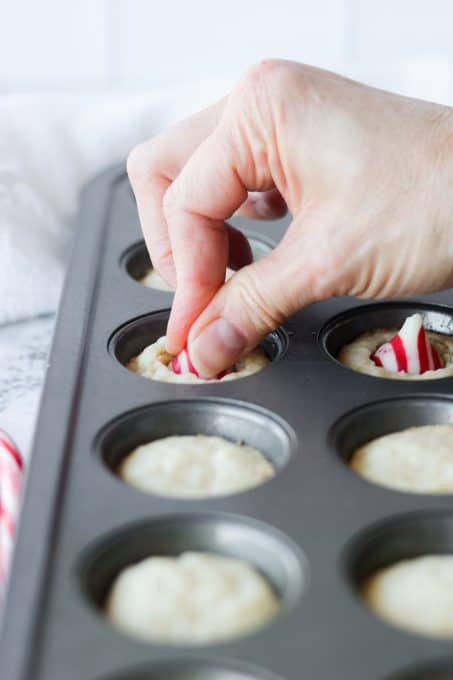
(24,349)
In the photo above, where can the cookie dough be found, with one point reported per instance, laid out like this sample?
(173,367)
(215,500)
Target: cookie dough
(195,598)
(154,361)
(358,355)
(418,460)
(152,279)
(415,594)
(195,466)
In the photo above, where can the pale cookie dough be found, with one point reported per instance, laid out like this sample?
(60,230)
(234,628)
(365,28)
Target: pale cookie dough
(357,355)
(154,360)
(195,466)
(195,598)
(154,280)
(415,594)
(418,460)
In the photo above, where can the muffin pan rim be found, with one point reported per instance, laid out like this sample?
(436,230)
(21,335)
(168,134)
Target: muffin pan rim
(192,663)
(353,549)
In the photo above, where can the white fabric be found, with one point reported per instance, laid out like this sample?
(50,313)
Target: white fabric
(50,145)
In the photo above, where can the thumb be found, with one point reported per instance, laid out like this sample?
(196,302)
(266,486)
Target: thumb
(254,302)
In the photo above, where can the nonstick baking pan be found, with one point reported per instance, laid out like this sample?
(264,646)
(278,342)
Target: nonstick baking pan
(314,530)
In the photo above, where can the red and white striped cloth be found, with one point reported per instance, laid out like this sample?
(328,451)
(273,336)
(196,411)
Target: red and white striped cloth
(183,364)
(11,473)
(409,350)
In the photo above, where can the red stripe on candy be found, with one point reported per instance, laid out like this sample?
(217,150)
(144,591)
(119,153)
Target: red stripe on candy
(400,353)
(183,364)
(422,350)
(377,361)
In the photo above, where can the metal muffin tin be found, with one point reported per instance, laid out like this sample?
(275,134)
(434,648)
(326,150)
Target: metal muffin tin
(314,530)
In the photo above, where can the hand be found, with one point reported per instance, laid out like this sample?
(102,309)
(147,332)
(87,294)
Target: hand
(367,176)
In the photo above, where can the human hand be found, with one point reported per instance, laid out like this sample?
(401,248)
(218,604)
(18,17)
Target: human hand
(366,174)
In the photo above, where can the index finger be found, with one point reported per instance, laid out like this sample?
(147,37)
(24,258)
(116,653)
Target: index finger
(152,166)
(208,190)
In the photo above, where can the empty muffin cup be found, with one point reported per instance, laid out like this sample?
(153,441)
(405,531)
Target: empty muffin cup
(273,569)
(403,570)
(232,421)
(351,338)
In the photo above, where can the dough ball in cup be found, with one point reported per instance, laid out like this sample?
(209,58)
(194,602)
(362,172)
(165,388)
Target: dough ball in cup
(192,599)
(414,460)
(414,594)
(195,466)
(154,362)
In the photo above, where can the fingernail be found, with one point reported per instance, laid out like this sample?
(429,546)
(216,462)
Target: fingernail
(217,348)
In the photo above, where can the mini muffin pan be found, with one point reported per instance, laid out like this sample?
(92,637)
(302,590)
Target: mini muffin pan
(315,530)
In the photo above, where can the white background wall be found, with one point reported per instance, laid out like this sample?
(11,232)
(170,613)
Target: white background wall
(406,45)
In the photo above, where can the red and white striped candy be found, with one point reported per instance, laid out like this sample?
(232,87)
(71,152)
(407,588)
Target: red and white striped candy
(409,350)
(11,470)
(182,364)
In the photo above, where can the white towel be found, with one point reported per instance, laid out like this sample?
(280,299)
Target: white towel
(50,145)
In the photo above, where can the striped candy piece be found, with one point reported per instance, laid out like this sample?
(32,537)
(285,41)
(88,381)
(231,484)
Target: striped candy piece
(182,364)
(409,350)
(11,471)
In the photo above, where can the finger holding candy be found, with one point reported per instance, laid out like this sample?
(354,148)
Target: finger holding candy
(182,364)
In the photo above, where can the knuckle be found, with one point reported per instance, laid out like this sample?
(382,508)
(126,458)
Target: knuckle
(265,68)
(135,162)
(271,75)
(143,161)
